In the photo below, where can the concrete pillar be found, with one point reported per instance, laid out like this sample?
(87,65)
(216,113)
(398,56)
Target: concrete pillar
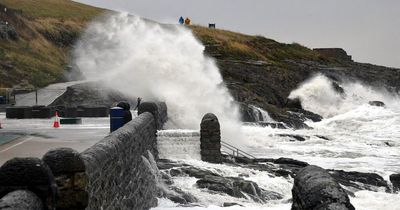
(210,139)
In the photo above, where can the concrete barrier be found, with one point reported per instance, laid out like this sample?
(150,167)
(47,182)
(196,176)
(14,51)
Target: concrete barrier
(19,112)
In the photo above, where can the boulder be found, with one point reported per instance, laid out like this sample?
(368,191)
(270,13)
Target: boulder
(376,103)
(315,189)
(293,103)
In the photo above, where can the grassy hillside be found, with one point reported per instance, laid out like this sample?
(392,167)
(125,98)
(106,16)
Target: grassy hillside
(235,46)
(46,29)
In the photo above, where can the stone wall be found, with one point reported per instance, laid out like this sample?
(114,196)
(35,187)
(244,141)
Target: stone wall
(115,173)
(118,177)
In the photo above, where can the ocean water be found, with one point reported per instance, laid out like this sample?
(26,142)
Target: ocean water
(353,136)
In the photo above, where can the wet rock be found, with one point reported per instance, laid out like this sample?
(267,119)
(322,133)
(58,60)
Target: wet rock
(227,204)
(323,137)
(244,160)
(237,187)
(304,115)
(198,173)
(163,164)
(294,137)
(337,88)
(395,179)
(179,196)
(21,200)
(376,103)
(293,103)
(359,180)
(277,125)
(246,113)
(284,167)
(289,161)
(315,189)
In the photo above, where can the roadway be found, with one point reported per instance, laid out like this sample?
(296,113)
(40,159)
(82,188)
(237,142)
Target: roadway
(34,137)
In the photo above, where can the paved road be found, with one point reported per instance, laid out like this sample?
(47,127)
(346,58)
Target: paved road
(34,137)
(45,95)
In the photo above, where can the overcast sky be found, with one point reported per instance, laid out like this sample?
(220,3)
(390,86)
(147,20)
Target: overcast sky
(369,30)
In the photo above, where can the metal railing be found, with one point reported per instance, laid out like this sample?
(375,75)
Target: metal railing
(236,152)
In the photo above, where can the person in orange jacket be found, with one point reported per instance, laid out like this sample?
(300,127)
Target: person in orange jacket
(187,21)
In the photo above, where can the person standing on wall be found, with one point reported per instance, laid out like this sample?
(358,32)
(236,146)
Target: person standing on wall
(138,103)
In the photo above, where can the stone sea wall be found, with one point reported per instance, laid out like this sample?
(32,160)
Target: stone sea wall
(115,173)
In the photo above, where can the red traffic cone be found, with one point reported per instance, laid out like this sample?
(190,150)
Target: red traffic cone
(56,123)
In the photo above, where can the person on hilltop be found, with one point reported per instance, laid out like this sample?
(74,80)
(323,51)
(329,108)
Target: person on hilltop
(187,21)
(181,20)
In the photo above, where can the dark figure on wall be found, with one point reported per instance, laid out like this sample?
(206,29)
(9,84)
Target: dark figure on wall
(138,103)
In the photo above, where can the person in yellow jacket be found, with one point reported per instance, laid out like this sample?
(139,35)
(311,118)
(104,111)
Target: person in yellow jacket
(187,21)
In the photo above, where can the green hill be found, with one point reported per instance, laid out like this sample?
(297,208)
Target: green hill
(45,30)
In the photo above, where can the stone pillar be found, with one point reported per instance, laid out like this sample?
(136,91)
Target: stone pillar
(210,139)
(69,172)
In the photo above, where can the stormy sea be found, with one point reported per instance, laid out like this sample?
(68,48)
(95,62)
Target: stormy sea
(357,140)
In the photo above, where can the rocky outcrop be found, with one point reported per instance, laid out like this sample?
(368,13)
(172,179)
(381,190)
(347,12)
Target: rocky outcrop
(233,186)
(315,189)
(90,94)
(237,187)
(359,180)
(335,53)
(210,139)
(376,103)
